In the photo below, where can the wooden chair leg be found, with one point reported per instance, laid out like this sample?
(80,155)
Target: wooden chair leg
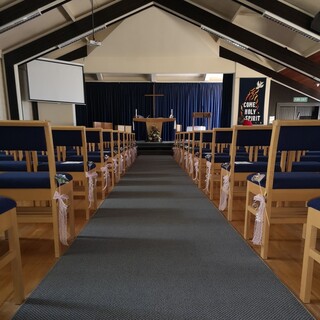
(55,225)
(308,257)
(266,231)
(8,222)
(16,265)
(247,217)
(230,201)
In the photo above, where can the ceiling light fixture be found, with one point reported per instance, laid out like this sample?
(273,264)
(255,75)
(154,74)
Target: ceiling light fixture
(288,24)
(17,22)
(224,37)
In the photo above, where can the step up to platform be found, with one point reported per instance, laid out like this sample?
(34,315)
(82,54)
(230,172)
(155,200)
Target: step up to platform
(155,148)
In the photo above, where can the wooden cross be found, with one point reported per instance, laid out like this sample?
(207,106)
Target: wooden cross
(154,95)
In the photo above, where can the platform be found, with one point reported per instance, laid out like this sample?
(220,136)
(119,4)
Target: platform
(154,148)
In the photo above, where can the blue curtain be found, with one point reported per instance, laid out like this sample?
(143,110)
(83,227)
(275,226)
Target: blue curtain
(117,102)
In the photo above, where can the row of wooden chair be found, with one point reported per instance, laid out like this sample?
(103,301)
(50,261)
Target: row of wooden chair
(43,168)
(273,168)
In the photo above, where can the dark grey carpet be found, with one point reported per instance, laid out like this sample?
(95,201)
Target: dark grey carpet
(158,249)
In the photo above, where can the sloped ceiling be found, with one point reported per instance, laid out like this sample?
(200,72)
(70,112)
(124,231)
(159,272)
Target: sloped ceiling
(139,30)
(155,50)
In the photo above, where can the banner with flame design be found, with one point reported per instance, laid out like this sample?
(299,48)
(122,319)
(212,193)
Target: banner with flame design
(251,99)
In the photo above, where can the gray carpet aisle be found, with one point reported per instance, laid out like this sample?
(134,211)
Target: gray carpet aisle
(158,249)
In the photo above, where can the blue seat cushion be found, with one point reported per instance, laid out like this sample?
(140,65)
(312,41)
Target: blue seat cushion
(292,180)
(206,150)
(13,166)
(74,157)
(6,157)
(224,157)
(313,152)
(66,166)
(266,158)
(249,166)
(310,157)
(26,180)
(6,204)
(302,166)
(206,155)
(95,157)
(314,203)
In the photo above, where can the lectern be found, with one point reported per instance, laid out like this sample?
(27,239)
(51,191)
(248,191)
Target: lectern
(154,122)
(206,115)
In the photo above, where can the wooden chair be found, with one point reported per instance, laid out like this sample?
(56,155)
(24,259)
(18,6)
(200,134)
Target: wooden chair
(76,163)
(117,158)
(108,149)
(204,149)
(122,152)
(221,141)
(282,196)
(246,141)
(311,254)
(133,146)
(94,138)
(126,151)
(182,149)
(194,156)
(37,194)
(8,224)
(188,155)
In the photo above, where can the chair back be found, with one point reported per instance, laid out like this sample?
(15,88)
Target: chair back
(70,136)
(291,136)
(31,137)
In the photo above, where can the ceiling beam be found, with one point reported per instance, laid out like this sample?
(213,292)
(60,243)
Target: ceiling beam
(109,15)
(65,10)
(105,16)
(256,44)
(24,8)
(76,54)
(230,55)
(281,10)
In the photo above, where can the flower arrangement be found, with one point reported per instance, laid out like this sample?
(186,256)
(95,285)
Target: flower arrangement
(154,135)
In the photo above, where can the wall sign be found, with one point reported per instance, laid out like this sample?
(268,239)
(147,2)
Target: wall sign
(251,99)
(300,99)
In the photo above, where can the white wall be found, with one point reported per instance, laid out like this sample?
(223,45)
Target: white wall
(3,103)
(156,42)
(58,114)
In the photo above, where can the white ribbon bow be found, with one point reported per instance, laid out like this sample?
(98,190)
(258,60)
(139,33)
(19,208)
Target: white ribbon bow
(186,159)
(128,158)
(224,192)
(92,179)
(208,175)
(196,167)
(259,220)
(115,168)
(63,230)
(121,163)
(106,175)
(190,164)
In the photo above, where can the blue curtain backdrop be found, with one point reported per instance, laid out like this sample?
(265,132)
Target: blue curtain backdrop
(117,102)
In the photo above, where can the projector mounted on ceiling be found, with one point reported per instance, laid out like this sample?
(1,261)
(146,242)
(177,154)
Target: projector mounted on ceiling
(94,43)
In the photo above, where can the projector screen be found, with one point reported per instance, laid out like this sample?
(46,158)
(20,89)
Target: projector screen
(55,81)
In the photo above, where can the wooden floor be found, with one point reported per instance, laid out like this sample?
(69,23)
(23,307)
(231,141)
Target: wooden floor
(286,250)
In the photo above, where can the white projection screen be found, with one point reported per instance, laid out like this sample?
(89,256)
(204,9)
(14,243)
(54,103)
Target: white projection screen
(55,81)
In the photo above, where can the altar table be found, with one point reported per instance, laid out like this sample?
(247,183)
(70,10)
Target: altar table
(154,122)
